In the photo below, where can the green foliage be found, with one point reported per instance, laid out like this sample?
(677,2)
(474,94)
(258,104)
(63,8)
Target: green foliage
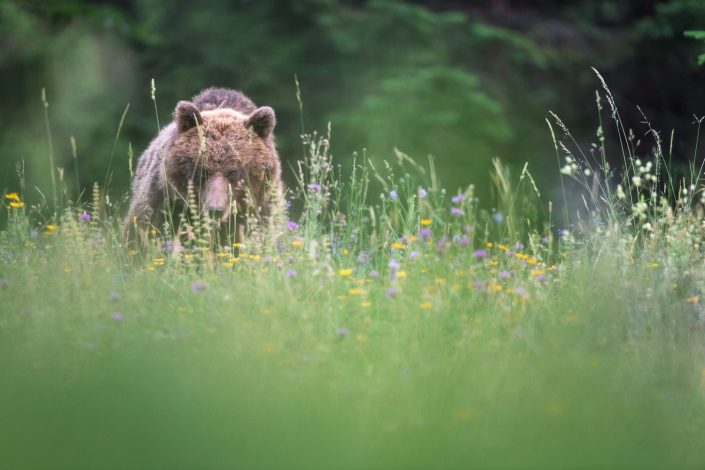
(697,35)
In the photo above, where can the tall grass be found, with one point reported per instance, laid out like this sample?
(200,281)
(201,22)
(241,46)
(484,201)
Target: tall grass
(410,329)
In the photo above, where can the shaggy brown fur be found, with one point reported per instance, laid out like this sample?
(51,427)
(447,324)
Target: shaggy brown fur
(224,144)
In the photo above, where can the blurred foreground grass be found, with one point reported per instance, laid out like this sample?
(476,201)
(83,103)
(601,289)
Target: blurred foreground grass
(417,332)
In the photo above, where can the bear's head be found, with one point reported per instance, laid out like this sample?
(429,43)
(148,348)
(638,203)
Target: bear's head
(230,157)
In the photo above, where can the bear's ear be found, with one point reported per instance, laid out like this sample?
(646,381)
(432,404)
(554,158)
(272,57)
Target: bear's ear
(262,121)
(187,116)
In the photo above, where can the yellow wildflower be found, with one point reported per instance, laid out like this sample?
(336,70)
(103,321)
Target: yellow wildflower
(16,205)
(426,305)
(366,304)
(159,261)
(532,261)
(236,245)
(297,243)
(398,246)
(13,197)
(426,222)
(412,238)
(347,272)
(494,287)
(652,265)
(502,247)
(401,274)
(693,299)
(346,251)
(489,244)
(52,228)
(538,272)
(357,291)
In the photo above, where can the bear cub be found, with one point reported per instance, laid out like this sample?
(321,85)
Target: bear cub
(224,145)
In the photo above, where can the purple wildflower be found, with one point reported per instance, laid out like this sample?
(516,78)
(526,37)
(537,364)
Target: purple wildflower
(505,274)
(480,254)
(422,193)
(499,218)
(115,296)
(393,195)
(518,247)
(413,255)
(462,241)
(458,199)
(394,265)
(479,285)
(291,273)
(85,216)
(117,316)
(456,211)
(425,233)
(441,245)
(199,286)
(314,186)
(342,332)
(169,246)
(520,291)
(374,274)
(392,292)
(33,234)
(292,226)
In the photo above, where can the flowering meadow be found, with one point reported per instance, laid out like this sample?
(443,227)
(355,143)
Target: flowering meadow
(410,328)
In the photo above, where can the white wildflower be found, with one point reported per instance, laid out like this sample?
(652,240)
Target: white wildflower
(567,170)
(620,192)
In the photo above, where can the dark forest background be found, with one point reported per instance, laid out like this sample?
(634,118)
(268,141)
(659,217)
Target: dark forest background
(465,81)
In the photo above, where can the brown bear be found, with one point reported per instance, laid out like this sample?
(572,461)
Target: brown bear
(222,143)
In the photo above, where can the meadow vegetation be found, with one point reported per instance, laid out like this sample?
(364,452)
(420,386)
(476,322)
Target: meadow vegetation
(416,328)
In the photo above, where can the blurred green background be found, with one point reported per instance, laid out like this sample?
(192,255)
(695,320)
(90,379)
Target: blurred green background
(464,81)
